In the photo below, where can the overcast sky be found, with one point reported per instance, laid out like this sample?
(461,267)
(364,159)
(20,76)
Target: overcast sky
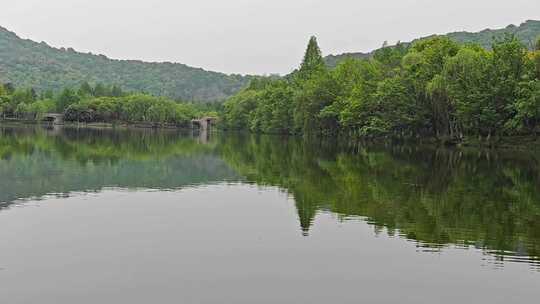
(247,36)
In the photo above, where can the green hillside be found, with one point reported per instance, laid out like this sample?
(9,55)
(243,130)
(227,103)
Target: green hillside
(527,32)
(26,63)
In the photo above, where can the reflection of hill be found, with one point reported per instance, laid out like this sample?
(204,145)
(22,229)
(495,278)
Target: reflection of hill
(34,164)
(437,197)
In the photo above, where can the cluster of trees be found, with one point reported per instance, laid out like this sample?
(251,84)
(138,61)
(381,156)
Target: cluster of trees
(132,108)
(434,87)
(26,63)
(100,103)
(24,102)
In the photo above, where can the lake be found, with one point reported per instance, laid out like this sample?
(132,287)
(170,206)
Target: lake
(141,216)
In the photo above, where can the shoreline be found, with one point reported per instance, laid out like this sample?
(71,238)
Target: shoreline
(518,142)
(96,125)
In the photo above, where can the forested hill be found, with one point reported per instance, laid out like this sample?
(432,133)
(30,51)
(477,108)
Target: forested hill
(526,32)
(26,63)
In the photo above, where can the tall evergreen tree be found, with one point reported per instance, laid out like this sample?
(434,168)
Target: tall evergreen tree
(313,60)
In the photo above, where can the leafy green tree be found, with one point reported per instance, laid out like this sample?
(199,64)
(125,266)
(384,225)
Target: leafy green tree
(238,110)
(184,113)
(9,87)
(359,80)
(40,107)
(85,89)
(100,90)
(48,94)
(116,91)
(508,69)
(390,57)
(159,112)
(423,64)
(316,94)
(466,85)
(275,114)
(23,96)
(66,98)
(33,94)
(535,56)
(3,91)
(527,108)
(3,110)
(22,110)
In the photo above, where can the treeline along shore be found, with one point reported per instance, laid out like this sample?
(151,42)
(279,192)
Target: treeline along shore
(434,88)
(100,104)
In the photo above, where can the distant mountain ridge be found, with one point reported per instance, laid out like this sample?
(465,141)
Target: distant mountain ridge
(526,32)
(26,63)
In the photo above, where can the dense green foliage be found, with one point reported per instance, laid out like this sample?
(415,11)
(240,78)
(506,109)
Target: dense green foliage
(99,104)
(526,33)
(435,88)
(27,63)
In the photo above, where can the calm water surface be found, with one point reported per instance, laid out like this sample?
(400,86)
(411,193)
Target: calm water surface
(141,216)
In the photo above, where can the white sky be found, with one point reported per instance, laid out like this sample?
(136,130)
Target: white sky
(247,36)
